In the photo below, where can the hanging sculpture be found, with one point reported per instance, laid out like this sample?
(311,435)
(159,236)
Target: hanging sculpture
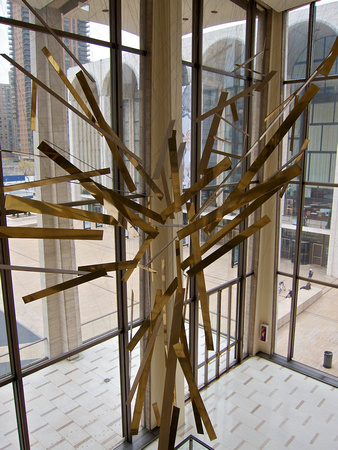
(249,199)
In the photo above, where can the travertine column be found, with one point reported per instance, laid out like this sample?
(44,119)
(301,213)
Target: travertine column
(164,105)
(266,264)
(61,311)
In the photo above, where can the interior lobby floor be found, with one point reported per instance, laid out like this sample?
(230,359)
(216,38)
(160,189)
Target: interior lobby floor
(260,404)
(256,405)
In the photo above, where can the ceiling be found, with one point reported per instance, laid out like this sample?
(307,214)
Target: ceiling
(215,11)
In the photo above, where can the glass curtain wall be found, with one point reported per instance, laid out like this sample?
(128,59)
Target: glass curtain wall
(307,313)
(63,360)
(229,35)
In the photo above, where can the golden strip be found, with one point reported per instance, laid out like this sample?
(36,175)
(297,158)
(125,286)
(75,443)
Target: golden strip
(222,140)
(247,61)
(157,414)
(112,199)
(147,178)
(202,290)
(61,161)
(175,177)
(40,269)
(101,121)
(211,136)
(256,86)
(163,151)
(293,129)
(55,180)
(147,354)
(164,299)
(234,112)
(63,286)
(230,155)
(211,174)
(170,376)
(246,197)
(33,105)
(49,233)
(252,70)
(229,246)
(265,81)
(67,83)
(194,392)
(326,65)
(166,191)
(135,206)
(108,267)
(229,226)
(144,327)
(140,395)
(148,269)
(110,136)
(180,153)
(279,107)
(138,257)
(184,342)
(64,46)
(233,125)
(270,147)
(178,266)
(36,206)
(173,428)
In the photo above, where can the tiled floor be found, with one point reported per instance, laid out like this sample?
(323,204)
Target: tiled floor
(260,405)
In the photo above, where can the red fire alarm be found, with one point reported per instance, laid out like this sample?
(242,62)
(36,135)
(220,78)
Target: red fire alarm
(264,332)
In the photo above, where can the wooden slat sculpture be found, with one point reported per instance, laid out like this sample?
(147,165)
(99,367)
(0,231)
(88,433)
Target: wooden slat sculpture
(249,199)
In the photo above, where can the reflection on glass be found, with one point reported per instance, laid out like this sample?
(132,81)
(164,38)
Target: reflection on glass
(131,23)
(296,42)
(323,134)
(325,32)
(316,327)
(187,30)
(284,299)
(224,36)
(288,228)
(76,402)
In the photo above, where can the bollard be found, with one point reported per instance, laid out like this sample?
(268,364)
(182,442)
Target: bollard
(328,360)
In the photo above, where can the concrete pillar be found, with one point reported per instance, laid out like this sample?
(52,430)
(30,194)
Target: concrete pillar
(164,79)
(60,311)
(264,311)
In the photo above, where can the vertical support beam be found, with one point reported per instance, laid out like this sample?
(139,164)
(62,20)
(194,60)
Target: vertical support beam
(196,109)
(120,251)
(12,334)
(263,309)
(242,251)
(300,209)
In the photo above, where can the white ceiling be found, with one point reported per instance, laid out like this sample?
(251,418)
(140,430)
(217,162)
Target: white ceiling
(215,11)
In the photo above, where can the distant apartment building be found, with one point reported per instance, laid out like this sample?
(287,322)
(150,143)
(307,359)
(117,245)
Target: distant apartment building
(20,40)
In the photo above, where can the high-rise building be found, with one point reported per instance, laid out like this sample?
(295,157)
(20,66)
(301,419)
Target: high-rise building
(20,51)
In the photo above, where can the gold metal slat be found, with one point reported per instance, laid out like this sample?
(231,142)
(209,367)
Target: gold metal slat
(55,180)
(194,392)
(49,233)
(202,290)
(63,286)
(36,206)
(211,136)
(229,246)
(33,106)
